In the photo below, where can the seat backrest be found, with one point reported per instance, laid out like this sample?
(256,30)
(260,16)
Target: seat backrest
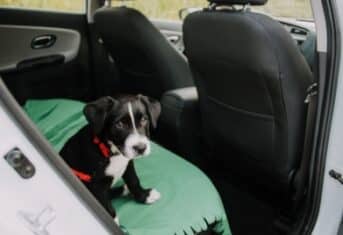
(148,63)
(252,82)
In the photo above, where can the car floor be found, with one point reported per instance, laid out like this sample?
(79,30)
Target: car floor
(247,214)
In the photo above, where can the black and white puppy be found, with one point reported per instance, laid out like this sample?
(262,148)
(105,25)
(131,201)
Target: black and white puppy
(102,152)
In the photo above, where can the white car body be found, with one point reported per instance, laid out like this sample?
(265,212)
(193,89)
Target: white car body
(43,204)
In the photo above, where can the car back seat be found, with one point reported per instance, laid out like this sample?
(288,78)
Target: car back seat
(190,204)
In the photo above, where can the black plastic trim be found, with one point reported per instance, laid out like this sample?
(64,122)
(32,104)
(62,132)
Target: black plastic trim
(35,63)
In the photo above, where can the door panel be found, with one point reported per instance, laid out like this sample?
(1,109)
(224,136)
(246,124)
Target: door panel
(59,70)
(32,43)
(43,204)
(45,198)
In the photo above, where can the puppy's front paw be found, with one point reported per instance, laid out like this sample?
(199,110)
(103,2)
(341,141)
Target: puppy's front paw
(116,220)
(153,196)
(126,190)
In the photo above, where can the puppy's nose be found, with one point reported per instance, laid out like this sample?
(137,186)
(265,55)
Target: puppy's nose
(140,148)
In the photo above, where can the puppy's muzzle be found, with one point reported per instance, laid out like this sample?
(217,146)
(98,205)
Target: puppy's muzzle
(136,145)
(140,148)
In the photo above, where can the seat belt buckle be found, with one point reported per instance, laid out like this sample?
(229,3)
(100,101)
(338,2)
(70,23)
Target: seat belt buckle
(311,91)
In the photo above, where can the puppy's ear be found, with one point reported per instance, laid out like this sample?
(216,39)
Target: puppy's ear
(97,111)
(153,108)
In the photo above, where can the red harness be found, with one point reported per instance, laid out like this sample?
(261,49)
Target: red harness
(105,151)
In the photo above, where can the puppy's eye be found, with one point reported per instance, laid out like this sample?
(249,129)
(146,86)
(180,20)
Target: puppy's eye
(119,125)
(143,121)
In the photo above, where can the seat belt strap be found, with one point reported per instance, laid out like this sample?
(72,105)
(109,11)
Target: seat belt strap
(301,176)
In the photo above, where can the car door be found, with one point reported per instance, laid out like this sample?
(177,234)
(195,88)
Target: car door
(38,193)
(45,49)
(45,53)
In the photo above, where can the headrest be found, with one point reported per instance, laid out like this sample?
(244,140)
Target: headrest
(239,2)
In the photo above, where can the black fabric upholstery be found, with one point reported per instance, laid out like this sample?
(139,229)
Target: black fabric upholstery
(181,112)
(239,2)
(147,61)
(252,83)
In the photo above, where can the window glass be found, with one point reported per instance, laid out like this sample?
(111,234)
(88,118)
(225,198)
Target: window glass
(49,5)
(298,9)
(169,9)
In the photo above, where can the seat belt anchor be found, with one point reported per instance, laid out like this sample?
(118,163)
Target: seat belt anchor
(311,91)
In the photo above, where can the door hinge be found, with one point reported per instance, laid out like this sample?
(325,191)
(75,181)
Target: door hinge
(336,175)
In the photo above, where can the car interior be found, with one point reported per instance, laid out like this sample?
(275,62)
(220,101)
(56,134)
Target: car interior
(232,84)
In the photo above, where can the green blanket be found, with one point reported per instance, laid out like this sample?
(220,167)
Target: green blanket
(189,201)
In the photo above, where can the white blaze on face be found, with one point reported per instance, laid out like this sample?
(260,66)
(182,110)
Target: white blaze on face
(134,138)
(132,117)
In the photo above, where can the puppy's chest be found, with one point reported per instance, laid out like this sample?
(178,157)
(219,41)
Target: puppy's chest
(116,167)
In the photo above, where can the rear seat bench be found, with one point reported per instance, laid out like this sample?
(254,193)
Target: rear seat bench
(190,203)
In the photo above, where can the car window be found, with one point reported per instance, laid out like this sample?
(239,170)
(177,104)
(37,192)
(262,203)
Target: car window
(298,9)
(169,9)
(77,6)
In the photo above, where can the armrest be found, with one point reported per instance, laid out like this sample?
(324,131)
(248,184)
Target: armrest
(179,126)
(178,103)
(187,94)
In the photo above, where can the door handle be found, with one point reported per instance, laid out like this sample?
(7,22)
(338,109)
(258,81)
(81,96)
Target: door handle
(336,175)
(173,38)
(43,41)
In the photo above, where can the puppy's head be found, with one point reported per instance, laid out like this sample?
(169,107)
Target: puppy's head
(126,122)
